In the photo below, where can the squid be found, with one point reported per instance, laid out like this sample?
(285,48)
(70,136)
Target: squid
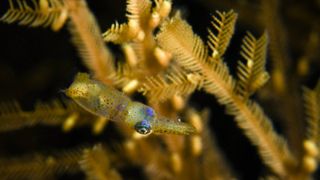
(106,101)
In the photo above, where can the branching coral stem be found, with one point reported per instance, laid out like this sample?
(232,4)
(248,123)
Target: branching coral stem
(87,37)
(177,37)
(252,119)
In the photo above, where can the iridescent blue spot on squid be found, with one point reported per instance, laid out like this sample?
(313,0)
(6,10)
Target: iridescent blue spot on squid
(143,127)
(149,112)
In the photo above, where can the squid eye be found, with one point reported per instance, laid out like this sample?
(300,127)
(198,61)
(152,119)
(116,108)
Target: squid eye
(143,127)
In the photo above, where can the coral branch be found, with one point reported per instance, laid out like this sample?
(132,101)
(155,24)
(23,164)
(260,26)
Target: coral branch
(252,74)
(47,13)
(224,25)
(87,37)
(40,166)
(55,113)
(96,164)
(177,37)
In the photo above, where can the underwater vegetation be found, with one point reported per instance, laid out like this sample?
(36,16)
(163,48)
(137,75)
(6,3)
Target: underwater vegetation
(159,89)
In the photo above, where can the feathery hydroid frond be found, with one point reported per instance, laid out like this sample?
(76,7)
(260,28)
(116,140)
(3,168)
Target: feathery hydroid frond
(139,10)
(177,81)
(87,37)
(118,33)
(176,36)
(224,24)
(250,117)
(96,164)
(189,51)
(123,75)
(312,110)
(40,166)
(138,16)
(252,74)
(45,13)
(258,128)
(12,117)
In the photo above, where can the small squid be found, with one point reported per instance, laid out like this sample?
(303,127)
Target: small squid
(108,102)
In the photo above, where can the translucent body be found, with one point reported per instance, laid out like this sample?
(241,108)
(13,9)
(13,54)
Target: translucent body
(106,101)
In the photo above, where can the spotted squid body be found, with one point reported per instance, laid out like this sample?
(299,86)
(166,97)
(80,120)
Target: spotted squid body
(108,102)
